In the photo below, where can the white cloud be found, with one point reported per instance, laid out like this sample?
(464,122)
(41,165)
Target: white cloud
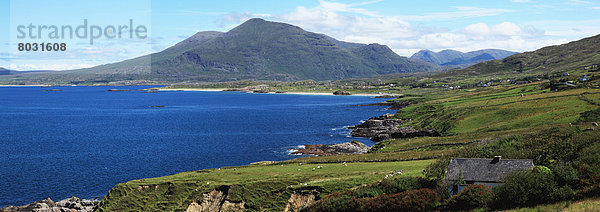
(478,29)
(350,22)
(521,1)
(341,7)
(461,12)
(575,28)
(507,28)
(579,2)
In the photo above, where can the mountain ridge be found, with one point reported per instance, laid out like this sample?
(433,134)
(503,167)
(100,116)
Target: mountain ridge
(460,59)
(254,50)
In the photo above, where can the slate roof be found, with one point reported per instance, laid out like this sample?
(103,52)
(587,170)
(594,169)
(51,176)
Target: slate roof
(483,170)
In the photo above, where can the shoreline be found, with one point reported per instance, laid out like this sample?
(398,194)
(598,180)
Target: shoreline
(25,85)
(294,93)
(220,90)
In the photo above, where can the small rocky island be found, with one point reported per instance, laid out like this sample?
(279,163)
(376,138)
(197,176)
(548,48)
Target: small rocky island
(341,93)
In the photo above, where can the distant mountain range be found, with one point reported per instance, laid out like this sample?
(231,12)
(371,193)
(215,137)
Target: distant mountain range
(256,49)
(4,71)
(459,59)
(573,57)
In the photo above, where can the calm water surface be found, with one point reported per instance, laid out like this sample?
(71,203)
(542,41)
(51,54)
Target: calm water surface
(81,141)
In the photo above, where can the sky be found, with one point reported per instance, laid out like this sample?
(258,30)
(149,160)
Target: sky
(405,26)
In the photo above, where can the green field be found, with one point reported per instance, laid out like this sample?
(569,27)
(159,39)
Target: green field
(263,187)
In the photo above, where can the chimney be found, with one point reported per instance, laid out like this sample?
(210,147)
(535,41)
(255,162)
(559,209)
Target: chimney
(496,159)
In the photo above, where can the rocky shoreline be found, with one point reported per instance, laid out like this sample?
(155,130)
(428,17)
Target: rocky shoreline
(72,204)
(378,128)
(385,127)
(391,104)
(352,147)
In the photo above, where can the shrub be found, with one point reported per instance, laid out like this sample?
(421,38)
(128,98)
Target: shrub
(368,191)
(473,196)
(400,184)
(565,174)
(437,169)
(528,188)
(592,191)
(416,200)
(588,164)
(335,202)
(541,169)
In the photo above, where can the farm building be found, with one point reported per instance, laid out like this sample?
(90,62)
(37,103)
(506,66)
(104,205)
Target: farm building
(462,172)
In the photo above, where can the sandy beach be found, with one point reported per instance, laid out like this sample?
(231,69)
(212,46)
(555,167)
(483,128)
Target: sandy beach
(25,85)
(296,93)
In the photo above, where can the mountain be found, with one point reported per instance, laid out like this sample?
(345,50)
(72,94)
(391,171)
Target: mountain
(256,49)
(571,57)
(4,71)
(459,59)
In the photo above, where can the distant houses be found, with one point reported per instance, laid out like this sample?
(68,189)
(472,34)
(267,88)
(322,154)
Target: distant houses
(592,67)
(462,172)
(584,78)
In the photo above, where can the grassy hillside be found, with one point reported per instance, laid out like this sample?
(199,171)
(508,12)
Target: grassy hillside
(572,58)
(263,187)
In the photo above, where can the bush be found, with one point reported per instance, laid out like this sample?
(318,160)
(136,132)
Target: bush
(400,184)
(592,191)
(473,196)
(588,164)
(416,200)
(565,174)
(437,169)
(529,188)
(368,191)
(335,202)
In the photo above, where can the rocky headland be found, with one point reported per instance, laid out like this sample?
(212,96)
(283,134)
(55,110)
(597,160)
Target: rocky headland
(385,127)
(391,104)
(352,147)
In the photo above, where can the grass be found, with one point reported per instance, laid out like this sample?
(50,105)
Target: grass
(264,186)
(588,205)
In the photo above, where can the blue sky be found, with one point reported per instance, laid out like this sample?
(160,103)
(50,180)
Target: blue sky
(405,26)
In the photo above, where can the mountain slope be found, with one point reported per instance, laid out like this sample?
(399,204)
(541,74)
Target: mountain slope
(456,58)
(570,57)
(284,52)
(4,71)
(256,49)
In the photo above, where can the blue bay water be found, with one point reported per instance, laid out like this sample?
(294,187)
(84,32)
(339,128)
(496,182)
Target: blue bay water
(84,140)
